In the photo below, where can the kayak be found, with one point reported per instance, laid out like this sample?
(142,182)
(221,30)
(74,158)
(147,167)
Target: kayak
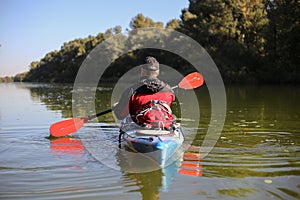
(159,146)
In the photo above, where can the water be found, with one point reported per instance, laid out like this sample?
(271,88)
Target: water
(256,157)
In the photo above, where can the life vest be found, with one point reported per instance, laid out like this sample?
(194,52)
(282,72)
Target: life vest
(154,114)
(135,101)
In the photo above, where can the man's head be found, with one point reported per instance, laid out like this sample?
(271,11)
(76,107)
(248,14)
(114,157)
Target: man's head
(151,67)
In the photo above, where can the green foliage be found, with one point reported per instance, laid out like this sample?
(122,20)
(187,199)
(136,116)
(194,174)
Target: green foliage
(20,77)
(140,21)
(250,41)
(231,31)
(173,24)
(283,46)
(6,79)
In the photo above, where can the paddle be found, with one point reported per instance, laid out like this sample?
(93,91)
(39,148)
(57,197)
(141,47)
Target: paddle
(190,81)
(69,126)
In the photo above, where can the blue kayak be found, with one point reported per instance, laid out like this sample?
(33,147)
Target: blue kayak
(159,146)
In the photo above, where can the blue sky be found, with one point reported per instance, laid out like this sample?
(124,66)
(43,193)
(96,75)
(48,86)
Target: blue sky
(32,28)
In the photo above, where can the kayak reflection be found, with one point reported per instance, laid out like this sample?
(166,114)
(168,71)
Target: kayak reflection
(151,183)
(189,164)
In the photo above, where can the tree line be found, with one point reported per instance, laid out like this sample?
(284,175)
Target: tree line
(249,40)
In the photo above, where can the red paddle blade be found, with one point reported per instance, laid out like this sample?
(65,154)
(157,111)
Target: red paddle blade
(191,81)
(66,127)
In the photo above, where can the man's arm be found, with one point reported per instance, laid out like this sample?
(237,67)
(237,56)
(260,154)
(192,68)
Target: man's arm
(121,109)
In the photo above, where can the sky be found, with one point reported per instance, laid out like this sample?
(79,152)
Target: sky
(29,29)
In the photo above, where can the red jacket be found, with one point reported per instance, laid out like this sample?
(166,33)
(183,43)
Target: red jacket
(137,96)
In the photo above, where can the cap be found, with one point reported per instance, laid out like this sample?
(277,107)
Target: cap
(151,64)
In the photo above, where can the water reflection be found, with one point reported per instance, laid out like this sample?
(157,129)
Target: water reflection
(54,96)
(59,98)
(257,154)
(150,184)
(191,165)
(67,146)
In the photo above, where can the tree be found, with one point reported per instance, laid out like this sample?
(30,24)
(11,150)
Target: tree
(117,29)
(256,40)
(283,45)
(19,77)
(284,28)
(173,24)
(213,22)
(140,21)
(251,17)
(224,27)
(210,22)
(33,64)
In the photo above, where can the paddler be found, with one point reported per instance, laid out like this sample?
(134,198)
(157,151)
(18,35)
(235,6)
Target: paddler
(148,101)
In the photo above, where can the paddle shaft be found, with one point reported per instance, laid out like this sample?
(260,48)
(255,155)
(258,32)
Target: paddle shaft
(100,113)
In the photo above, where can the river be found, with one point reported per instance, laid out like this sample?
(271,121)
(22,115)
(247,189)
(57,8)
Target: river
(257,155)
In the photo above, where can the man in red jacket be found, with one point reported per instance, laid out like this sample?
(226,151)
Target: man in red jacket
(148,102)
